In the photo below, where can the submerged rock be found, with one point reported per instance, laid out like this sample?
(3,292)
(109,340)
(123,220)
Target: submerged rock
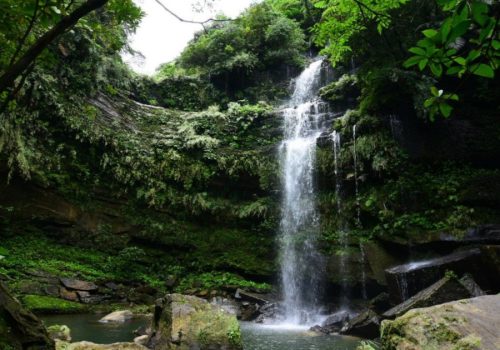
(333,323)
(270,313)
(444,290)
(19,328)
(464,324)
(118,316)
(188,322)
(365,325)
(249,311)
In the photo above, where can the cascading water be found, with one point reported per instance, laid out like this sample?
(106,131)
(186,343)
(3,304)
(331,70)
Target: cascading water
(301,263)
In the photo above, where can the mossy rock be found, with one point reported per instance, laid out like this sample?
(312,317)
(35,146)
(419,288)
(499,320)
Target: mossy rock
(460,325)
(184,322)
(51,305)
(59,332)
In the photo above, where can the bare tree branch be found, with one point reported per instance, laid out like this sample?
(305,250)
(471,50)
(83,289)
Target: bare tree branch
(191,21)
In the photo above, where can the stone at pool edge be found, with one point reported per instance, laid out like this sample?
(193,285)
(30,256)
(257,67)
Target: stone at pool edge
(84,345)
(187,322)
(74,284)
(59,332)
(117,316)
(462,324)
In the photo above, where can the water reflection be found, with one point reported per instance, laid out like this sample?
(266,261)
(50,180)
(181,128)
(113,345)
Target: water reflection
(259,337)
(87,327)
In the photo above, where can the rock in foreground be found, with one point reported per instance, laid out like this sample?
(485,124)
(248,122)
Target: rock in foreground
(186,322)
(19,328)
(463,324)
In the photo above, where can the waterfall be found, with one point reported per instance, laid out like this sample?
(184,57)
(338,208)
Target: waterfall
(301,263)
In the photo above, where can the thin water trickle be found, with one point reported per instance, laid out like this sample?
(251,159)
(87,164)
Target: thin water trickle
(301,263)
(343,232)
(364,293)
(356,185)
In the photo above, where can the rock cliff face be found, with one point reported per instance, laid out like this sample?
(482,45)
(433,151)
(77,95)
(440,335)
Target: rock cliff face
(464,324)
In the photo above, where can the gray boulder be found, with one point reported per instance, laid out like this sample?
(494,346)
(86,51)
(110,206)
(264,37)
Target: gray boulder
(445,290)
(184,322)
(406,280)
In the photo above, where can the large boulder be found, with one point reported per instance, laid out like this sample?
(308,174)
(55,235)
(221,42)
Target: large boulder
(184,322)
(406,280)
(19,328)
(464,324)
(446,289)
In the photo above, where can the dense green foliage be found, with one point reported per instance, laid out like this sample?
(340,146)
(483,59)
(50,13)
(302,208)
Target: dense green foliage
(194,186)
(242,57)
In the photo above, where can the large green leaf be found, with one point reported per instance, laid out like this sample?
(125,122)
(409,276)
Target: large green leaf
(483,70)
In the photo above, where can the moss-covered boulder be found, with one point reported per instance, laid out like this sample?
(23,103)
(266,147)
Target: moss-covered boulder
(459,325)
(19,328)
(185,322)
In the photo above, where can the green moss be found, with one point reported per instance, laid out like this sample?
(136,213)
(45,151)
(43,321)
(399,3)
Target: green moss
(470,342)
(219,280)
(443,334)
(46,304)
